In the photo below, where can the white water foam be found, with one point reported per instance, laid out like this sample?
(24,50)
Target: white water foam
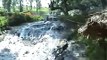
(13,48)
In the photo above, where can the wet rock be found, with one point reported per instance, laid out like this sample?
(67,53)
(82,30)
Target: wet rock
(8,28)
(2,37)
(26,52)
(6,50)
(59,28)
(65,47)
(96,26)
(60,51)
(18,34)
(59,58)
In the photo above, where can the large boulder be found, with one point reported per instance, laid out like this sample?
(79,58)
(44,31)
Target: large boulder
(96,26)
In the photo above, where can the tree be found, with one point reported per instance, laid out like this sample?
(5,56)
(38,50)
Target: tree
(66,5)
(14,4)
(38,5)
(31,4)
(20,5)
(7,5)
(58,4)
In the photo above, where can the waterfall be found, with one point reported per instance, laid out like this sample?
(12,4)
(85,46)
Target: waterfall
(43,40)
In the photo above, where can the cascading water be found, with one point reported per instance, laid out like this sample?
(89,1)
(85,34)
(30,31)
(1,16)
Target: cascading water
(43,40)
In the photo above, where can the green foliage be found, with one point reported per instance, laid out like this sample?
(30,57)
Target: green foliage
(3,21)
(93,49)
(19,18)
(37,18)
(66,5)
(2,13)
(16,19)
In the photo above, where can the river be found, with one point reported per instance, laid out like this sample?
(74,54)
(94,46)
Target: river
(43,40)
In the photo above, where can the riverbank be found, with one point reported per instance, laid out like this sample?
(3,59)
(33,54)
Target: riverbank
(14,19)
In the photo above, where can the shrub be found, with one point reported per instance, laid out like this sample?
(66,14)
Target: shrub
(2,13)
(3,21)
(93,50)
(19,18)
(27,16)
(37,18)
(16,19)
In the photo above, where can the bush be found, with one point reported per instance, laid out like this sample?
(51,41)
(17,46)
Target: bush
(19,18)
(16,19)
(93,49)
(2,13)
(37,18)
(27,16)
(3,21)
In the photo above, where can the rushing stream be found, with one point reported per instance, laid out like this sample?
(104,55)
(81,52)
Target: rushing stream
(43,40)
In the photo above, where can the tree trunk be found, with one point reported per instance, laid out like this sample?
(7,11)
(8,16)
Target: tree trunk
(31,4)
(38,4)
(65,8)
(21,6)
(9,5)
(13,5)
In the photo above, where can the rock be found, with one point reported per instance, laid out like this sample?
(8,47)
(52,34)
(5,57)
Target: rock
(6,50)
(60,52)
(26,52)
(65,47)
(60,28)
(2,37)
(95,27)
(8,28)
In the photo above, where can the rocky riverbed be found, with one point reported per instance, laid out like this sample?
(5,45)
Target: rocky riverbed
(43,40)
